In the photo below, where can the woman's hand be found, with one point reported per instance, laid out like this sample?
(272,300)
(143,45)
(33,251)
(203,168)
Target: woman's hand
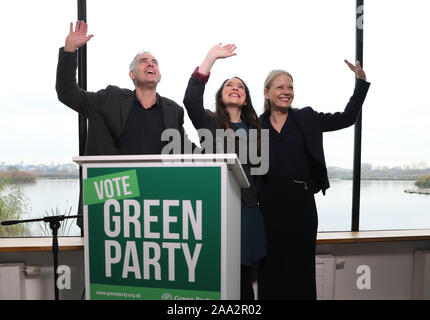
(218,51)
(359,72)
(77,38)
(222,51)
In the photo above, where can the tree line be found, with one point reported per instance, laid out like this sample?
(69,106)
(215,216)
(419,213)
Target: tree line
(423,182)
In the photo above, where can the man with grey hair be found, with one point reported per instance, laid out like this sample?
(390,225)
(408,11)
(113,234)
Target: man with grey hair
(120,121)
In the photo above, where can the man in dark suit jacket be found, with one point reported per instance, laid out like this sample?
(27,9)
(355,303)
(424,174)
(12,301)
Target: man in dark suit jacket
(120,121)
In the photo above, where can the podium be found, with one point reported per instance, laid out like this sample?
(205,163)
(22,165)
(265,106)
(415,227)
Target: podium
(162,226)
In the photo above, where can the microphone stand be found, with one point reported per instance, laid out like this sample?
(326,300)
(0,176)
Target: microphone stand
(54,224)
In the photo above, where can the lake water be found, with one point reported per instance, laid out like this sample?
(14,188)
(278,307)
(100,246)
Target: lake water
(52,196)
(384,204)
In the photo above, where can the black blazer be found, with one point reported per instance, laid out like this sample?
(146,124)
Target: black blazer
(107,110)
(312,124)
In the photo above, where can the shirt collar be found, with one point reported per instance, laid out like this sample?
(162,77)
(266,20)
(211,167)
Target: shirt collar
(137,102)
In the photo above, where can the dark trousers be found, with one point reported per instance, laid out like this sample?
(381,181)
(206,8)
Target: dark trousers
(290,218)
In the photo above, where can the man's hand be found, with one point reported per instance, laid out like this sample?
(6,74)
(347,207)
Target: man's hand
(359,72)
(78,38)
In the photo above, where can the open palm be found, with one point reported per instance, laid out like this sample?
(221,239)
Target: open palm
(222,51)
(218,51)
(78,37)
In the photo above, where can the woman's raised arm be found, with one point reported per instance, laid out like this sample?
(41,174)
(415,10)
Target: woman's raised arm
(218,51)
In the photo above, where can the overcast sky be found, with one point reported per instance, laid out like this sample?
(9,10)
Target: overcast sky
(309,38)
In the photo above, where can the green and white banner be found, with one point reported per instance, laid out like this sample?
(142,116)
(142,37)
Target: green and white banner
(153,232)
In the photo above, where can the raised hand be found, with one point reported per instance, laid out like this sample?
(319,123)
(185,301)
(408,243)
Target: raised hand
(359,72)
(78,37)
(222,51)
(218,51)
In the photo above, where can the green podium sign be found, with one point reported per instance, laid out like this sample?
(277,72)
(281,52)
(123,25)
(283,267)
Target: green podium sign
(154,230)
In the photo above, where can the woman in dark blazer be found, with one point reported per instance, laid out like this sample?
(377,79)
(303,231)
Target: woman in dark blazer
(234,111)
(297,170)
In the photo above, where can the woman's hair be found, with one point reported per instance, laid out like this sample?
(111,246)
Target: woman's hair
(268,83)
(248,114)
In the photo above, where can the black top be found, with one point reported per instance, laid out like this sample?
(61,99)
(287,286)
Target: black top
(142,131)
(312,124)
(287,153)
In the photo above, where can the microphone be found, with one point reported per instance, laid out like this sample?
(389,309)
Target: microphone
(9,222)
(45,219)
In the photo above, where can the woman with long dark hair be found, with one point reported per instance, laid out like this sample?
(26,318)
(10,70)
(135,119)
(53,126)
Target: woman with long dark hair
(234,111)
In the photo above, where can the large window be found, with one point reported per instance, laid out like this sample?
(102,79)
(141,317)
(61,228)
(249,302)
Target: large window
(309,39)
(396,138)
(37,132)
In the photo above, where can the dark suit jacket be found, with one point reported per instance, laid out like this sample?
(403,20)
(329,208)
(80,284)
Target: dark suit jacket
(312,124)
(107,110)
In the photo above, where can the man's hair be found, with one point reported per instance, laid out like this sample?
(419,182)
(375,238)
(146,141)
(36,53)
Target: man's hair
(133,63)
